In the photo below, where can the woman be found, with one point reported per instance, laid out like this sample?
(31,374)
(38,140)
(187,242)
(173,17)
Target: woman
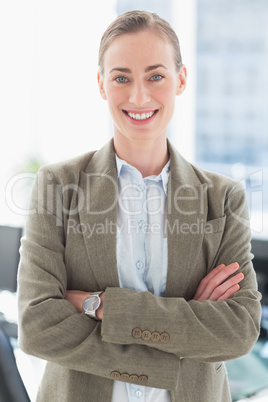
(128,282)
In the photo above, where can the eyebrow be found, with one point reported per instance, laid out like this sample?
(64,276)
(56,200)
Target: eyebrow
(128,71)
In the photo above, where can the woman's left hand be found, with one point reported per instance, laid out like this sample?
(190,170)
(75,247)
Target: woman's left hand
(219,284)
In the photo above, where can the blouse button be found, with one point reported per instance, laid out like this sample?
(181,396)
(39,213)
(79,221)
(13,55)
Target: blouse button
(139,265)
(141,187)
(138,393)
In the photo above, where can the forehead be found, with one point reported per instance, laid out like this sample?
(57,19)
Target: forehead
(141,48)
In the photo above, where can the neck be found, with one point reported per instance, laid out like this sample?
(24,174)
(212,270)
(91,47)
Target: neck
(147,157)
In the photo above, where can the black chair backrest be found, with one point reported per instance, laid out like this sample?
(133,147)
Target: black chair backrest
(12,388)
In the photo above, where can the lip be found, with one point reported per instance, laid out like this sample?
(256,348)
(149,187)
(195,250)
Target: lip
(140,122)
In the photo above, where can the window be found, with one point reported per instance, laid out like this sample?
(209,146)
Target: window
(232,83)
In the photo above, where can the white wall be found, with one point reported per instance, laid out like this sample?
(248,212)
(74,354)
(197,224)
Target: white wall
(49,99)
(183,123)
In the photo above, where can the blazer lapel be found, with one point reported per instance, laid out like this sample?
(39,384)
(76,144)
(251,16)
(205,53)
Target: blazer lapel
(186,219)
(99,213)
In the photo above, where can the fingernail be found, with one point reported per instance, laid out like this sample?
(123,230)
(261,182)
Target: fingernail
(234,266)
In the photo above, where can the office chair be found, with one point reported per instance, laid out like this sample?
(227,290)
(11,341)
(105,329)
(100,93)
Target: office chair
(12,388)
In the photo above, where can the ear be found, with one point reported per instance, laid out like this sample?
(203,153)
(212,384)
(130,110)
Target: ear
(182,79)
(101,86)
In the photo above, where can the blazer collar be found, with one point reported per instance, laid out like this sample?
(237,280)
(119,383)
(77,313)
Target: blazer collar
(103,160)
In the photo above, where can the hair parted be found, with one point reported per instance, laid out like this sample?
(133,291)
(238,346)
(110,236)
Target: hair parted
(136,21)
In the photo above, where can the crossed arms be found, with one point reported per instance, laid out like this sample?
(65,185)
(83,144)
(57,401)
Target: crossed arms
(218,285)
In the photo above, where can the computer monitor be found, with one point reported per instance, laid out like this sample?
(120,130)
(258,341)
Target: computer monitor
(260,251)
(9,257)
(260,262)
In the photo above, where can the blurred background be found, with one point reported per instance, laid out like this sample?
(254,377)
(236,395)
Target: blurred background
(51,110)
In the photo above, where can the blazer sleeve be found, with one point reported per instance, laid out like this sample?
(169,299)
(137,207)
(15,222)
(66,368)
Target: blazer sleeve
(207,331)
(50,327)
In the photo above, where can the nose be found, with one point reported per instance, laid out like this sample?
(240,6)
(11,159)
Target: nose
(139,94)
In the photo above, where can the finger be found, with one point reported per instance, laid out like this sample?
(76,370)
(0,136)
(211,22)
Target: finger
(206,279)
(229,293)
(223,288)
(221,276)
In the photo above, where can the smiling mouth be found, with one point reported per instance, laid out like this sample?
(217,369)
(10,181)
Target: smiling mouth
(140,116)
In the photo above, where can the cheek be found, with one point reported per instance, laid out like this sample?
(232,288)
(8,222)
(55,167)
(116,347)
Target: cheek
(114,97)
(166,94)
(166,97)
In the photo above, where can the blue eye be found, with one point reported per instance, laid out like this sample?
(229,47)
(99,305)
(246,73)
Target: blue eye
(121,79)
(157,77)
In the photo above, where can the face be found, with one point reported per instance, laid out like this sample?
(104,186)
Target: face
(140,82)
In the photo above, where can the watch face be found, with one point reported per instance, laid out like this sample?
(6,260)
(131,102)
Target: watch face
(92,303)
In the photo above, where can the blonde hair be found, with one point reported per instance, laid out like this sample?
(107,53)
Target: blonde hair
(136,21)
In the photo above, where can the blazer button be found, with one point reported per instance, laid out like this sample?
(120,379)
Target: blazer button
(164,337)
(115,375)
(124,377)
(133,378)
(143,378)
(155,336)
(146,335)
(136,333)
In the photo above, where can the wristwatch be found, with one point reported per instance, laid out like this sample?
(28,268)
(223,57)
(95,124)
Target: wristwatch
(91,304)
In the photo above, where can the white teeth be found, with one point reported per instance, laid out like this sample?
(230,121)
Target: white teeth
(143,116)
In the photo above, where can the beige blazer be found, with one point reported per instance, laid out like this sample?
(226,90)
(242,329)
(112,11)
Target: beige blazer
(70,243)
